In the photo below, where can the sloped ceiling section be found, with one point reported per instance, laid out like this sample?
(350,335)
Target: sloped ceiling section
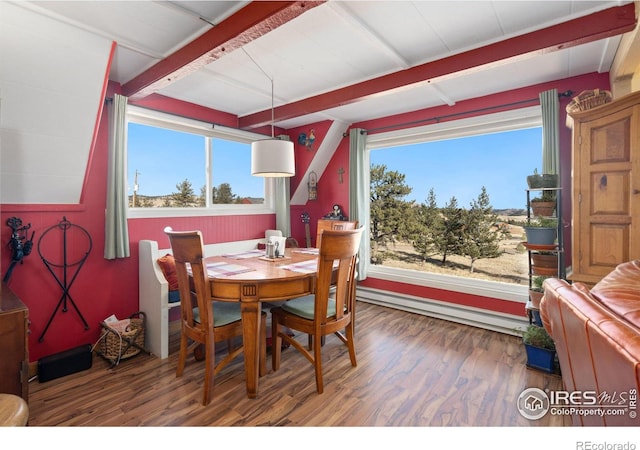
(45,147)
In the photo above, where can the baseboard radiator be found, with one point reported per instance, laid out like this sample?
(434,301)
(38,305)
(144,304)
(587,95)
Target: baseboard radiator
(481,318)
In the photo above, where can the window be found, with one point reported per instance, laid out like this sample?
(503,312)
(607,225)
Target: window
(178,166)
(458,159)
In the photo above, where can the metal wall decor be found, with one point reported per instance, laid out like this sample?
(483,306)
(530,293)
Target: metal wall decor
(76,246)
(313,186)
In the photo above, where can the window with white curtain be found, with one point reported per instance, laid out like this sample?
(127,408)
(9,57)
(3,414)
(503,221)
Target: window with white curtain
(178,166)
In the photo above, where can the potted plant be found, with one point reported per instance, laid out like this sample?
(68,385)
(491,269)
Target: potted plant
(540,348)
(544,263)
(537,290)
(541,231)
(545,180)
(545,204)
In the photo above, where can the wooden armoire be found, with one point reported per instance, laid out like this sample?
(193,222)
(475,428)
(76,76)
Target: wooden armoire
(14,344)
(605,188)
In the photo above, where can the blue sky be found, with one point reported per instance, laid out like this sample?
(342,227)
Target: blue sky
(460,167)
(457,167)
(165,158)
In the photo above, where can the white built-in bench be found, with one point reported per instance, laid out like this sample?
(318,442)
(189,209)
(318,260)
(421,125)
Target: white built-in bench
(154,289)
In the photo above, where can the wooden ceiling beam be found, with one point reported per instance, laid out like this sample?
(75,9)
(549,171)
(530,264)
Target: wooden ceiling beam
(590,28)
(249,23)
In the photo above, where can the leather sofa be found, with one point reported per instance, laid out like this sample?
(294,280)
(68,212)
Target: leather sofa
(597,337)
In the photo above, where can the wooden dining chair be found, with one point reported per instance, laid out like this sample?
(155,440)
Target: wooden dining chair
(204,322)
(323,314)
(328,224)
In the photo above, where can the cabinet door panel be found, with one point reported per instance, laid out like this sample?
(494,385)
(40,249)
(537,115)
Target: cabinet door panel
(607,247)
(610,192)
(610,140)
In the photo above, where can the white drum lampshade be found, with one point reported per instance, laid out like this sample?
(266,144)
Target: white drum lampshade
(272,158)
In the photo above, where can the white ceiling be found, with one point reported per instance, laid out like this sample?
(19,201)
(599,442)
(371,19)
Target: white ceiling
(337,44)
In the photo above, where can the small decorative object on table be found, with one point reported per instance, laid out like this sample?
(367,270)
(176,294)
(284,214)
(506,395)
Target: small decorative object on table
(122,339)
(336,214)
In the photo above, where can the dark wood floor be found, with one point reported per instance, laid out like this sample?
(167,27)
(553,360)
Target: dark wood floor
(412,371)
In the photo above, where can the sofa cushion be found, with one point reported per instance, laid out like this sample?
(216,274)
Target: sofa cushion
(620,292)
(168,266)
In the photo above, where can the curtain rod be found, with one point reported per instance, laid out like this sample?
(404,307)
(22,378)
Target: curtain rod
(437,119)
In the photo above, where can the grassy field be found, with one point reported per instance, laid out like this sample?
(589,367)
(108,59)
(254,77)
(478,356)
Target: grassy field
(511,267)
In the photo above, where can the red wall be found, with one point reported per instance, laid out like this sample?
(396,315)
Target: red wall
(330,190)
(105,287)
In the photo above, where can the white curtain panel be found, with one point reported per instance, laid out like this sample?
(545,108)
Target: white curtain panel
(116,240)
(550,130)
(359,186)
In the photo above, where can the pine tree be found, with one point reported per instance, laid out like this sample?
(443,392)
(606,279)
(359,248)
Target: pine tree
(185,196)
(482,234)
(202,198)
(223,194)
(391,216)
(429,225)
(450,239)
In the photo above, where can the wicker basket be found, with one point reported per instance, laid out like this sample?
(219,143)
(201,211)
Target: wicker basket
(117,346)
(588,99)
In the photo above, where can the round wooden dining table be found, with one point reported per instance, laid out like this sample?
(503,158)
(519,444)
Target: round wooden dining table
(252,279)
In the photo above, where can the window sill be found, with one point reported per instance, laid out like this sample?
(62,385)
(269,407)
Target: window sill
(219,210)
(485,288)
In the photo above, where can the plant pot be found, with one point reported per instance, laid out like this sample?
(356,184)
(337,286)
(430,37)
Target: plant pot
(544,209)
(544,260)
(536,319)
(544,264)
(544,180)
(540,358)
(535,297)
(541,235)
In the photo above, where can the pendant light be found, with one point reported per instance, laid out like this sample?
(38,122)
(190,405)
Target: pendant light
(272,157)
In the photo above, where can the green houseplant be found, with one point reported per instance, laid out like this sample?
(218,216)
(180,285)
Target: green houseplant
(544,180)
(545,204)
(540,348)
(538,337)
(537,290)
(541,231)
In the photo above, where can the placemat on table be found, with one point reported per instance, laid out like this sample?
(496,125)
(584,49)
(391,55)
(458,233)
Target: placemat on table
(245,255)
(310,266)
(307,251)
(222,269)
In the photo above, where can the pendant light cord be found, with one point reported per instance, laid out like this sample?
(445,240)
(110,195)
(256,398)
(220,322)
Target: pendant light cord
(273,118)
